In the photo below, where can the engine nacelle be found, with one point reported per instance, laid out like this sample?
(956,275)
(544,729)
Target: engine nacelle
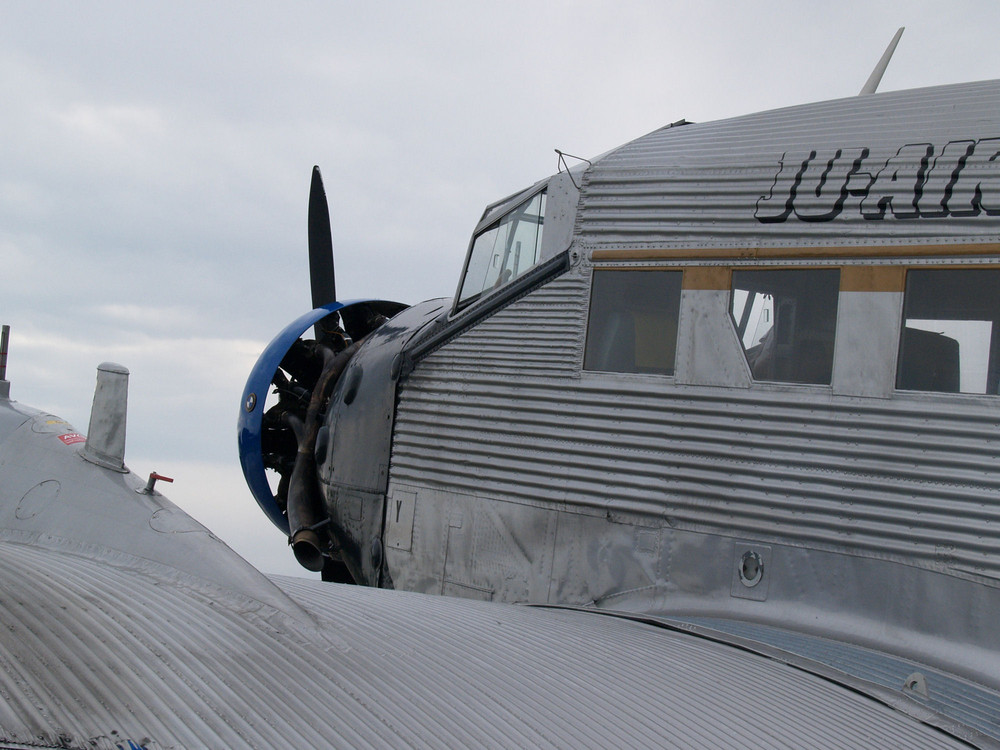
(285,436)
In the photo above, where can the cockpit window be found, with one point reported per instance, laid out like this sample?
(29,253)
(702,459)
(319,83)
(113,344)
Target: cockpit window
(786,321)
(950,337)
(505,250)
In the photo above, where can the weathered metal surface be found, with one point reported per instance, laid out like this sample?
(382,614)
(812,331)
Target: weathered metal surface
(95,653)
(500,398)
(106,436)
(362,405)
(626,490)
(709,352)
(126,625)
(967,702)
(727,184)
(867,513)
(868,328)
(49,495)
(553,349)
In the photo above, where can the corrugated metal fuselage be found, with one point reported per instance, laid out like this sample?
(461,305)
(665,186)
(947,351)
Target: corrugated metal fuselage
(850,509)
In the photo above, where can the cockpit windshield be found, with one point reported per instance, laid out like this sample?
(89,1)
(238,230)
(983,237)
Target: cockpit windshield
(504,250)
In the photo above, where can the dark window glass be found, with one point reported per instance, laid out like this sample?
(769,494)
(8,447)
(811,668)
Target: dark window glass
(950,333)
(633,321)
(786,321)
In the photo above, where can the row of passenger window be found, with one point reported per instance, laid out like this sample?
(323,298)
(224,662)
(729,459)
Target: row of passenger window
(786,319)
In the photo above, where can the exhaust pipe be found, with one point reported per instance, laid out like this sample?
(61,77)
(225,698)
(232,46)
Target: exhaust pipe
(305,508)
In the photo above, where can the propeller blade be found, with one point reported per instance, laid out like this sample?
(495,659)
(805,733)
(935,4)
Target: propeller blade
(321,276)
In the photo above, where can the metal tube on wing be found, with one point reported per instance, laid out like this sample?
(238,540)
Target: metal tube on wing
(4,340)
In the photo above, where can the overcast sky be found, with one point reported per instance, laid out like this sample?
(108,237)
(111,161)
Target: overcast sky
(155,160)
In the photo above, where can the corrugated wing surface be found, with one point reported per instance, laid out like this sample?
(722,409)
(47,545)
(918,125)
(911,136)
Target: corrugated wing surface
(97,654)
(578,681)
(968,703)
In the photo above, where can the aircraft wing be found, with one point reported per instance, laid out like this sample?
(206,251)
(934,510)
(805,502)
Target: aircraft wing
(126,624)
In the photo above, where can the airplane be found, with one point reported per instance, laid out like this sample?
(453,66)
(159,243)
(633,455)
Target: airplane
(702,453)
(743,372)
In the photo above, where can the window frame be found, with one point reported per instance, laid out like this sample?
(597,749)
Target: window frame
(590,329)
(992,359)
(739,326)
(493,216)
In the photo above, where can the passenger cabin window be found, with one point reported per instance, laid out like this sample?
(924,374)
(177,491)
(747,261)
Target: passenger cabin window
(633,321)
(786,321)
(949,341)
(505,250)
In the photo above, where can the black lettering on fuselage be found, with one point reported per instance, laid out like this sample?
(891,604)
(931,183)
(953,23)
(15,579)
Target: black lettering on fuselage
(898,184)
(976,188)
(921,180)
(777,205)
(939,186)
(826,181)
